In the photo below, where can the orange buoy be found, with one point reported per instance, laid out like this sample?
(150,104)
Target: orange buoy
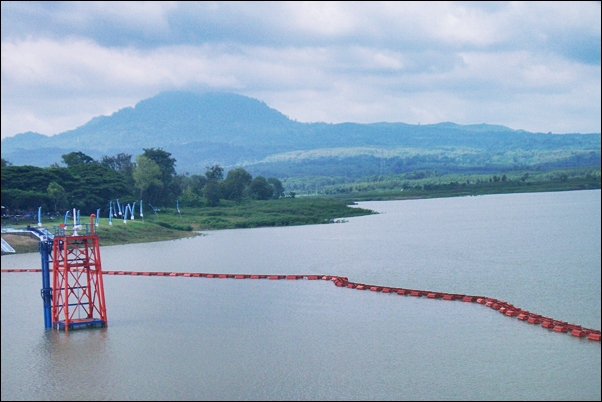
(594,336)
(547,324)
(467,299)
(578,333)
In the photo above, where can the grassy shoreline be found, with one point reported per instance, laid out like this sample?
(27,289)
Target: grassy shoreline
(170,224)
(323,209)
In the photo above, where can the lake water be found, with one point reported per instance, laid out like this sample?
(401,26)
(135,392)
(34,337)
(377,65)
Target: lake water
(178,338)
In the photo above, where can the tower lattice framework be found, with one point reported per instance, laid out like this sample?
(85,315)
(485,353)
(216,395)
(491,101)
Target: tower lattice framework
(78,298)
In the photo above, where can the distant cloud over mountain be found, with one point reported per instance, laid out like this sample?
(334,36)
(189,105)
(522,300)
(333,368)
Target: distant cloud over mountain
(525,65)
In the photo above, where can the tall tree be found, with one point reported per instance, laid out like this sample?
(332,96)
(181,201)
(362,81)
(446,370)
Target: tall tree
(163,159)
(121,163)
(215,173)
(76,158)
(167,167)
(197,182)
(97,185)
(147,176)
(212,191)
(58,195)
(277,187)
(236,183)
(260,189)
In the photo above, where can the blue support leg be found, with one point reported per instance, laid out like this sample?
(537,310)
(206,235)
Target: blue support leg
(45,248)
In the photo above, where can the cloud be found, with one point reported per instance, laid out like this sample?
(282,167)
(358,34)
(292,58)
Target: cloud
(532,26)
(522,64)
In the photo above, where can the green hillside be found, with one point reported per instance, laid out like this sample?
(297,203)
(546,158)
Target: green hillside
(203,129)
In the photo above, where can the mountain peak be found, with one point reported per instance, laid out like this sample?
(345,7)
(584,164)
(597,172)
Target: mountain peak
(223,106)
(202,128)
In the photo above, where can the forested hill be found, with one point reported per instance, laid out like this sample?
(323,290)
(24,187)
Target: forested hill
(234,130)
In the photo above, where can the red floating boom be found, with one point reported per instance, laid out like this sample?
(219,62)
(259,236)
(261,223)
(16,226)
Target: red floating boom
(77,258)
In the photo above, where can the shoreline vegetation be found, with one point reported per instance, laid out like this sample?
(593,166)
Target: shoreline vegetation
(323,208)
(168,224)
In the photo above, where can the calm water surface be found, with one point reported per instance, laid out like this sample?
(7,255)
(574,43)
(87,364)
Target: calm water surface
(226,339)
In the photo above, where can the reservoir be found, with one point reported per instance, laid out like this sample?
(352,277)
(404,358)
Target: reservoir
(180,338)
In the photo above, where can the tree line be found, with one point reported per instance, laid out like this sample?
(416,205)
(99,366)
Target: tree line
(88,184)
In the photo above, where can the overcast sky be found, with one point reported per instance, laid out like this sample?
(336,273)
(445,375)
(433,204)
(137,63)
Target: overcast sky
(526,65)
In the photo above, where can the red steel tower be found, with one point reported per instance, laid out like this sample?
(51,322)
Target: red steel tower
(78,298)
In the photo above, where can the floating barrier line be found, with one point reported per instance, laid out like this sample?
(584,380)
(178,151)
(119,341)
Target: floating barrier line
(505,308)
